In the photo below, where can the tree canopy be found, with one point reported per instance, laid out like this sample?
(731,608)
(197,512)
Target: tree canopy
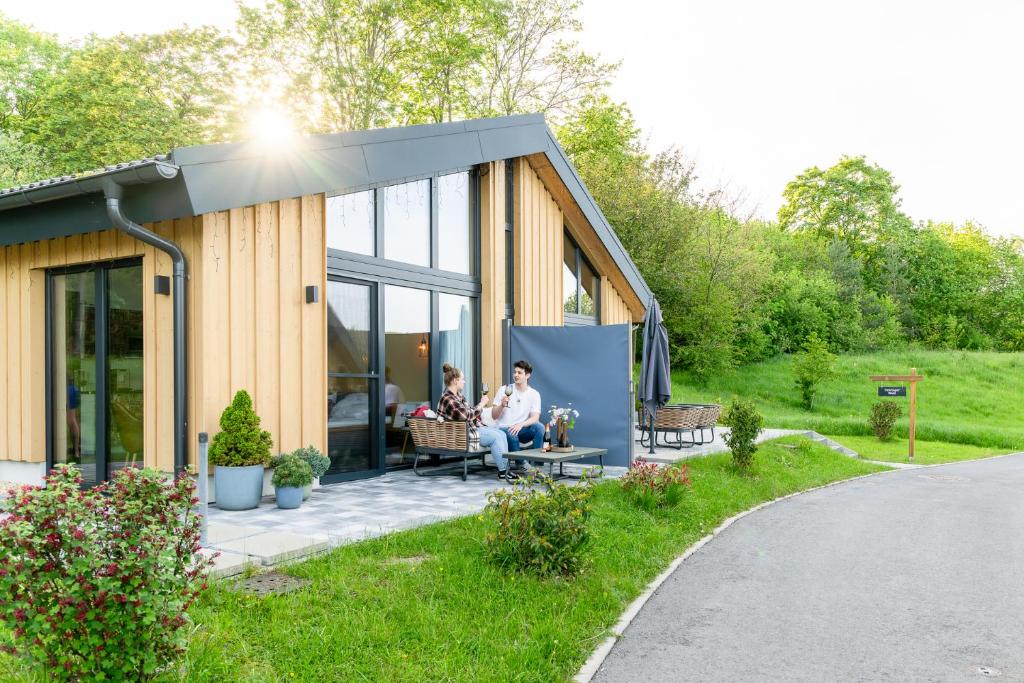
(842,266)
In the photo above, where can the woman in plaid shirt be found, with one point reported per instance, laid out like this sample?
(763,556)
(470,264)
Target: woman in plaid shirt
(454,406)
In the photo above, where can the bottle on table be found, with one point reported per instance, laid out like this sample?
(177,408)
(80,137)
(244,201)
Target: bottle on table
(547,438)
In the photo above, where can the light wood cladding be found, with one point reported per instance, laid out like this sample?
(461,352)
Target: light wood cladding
(537,239)
(492,270)
(23,322)
(584,234)
(249,326)
(258,333)
(613,309)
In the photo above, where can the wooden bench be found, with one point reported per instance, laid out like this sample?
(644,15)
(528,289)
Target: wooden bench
(449,439)
(680,418)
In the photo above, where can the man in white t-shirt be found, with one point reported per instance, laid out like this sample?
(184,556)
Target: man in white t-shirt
(518,415)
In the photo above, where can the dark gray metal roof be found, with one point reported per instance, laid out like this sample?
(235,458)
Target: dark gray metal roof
(197,180)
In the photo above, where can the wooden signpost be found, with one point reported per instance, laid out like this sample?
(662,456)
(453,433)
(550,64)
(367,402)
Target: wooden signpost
(913,378)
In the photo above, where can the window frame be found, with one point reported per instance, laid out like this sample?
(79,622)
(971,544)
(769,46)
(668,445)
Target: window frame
(379,237)
(575,317)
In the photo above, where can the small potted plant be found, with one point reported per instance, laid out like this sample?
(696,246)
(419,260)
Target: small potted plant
(291,475)
(239,453)
(318,462)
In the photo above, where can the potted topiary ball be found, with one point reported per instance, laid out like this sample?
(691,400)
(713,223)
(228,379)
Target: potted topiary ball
(239,453)
(291,475)
(318,462)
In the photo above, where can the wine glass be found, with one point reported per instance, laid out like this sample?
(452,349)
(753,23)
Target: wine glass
(485,389)
(508,391)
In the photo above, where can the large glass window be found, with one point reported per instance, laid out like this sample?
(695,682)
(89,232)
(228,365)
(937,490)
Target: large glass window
(579,281)
(350,222)
(406,363)
(588,289)
(348,328)
(96,368)
(407,222)
(348,424)
(570,285)
(352,384)
(454,211)
(456,323)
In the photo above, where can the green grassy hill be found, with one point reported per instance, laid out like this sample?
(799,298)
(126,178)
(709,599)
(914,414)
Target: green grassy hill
(966,397)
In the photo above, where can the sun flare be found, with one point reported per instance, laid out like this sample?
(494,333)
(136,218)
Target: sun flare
(272,128)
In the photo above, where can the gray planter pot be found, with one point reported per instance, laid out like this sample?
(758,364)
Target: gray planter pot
(238,488)
(308,491)
(289,497)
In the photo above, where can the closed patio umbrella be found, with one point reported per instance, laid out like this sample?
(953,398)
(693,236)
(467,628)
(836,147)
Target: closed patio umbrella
(655,370)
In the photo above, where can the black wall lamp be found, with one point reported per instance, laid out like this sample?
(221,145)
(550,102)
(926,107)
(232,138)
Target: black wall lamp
(162,284)
(312,294)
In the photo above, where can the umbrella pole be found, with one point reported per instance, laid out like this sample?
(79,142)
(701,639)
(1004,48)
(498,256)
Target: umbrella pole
(650,433)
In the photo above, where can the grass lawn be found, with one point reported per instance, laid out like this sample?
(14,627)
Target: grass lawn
(965,397)
(925,452)
(426,605)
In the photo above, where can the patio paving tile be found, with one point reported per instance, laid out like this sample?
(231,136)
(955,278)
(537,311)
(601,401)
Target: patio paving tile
(272,547)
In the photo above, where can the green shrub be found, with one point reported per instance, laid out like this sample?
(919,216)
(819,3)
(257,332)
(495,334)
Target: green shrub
(883,418)
(542,529)
(94,583)
(811,368)
(744,424)
(240,442)
(291,470)
(651,487)
(316,460)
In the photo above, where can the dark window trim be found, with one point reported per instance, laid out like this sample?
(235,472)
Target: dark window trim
(378,206)
(101,333)
(578,319)
(343,264)
(376,394)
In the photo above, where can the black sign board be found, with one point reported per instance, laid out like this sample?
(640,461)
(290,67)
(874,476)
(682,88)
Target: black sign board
(892,391)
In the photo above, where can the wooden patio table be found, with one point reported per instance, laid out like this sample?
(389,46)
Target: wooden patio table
(538,455)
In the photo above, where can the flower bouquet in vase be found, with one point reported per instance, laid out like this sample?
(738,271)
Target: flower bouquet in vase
(562,420)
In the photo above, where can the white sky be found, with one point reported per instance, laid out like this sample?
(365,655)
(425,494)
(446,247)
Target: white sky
(756,92)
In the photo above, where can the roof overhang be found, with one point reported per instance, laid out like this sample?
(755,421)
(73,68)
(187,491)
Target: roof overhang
(207,178)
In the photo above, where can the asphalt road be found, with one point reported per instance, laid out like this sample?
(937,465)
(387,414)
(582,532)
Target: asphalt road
(914,575)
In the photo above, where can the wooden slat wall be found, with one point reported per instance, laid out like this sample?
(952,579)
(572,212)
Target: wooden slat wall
(613,309)
(248,321)
(257,331)
(538,250)
(23,328)
(492,269)
(584,234)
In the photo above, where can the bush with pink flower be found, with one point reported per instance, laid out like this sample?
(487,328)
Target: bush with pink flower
(651,486)
(95,583)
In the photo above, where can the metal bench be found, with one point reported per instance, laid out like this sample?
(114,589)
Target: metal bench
(694,419)
(449,439)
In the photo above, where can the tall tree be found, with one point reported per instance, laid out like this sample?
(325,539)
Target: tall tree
(854,201)
(124,98)
(531,65)
(333,63)
(26,57)
(352,64)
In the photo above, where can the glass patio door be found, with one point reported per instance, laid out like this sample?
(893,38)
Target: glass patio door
(96,367)
(353,380)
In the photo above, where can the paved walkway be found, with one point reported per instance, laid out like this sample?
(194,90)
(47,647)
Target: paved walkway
(909,575)
(347,512)
(668,455)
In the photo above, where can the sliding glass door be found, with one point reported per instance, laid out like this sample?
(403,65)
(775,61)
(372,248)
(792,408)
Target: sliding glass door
(96,367)
(353,379)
